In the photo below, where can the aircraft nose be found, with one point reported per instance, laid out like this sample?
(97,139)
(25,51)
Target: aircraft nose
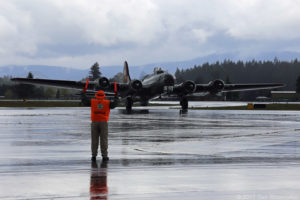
(169,80)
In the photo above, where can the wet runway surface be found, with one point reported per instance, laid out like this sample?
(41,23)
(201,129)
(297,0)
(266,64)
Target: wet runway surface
(45,154)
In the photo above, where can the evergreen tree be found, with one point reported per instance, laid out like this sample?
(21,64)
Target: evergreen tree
(179,76)
(198,80)
(30,75)
(94,72)
(298,85)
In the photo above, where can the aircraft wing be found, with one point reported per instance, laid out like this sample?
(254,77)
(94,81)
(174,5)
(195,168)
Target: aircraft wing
(100,84)
(80,85)
(245,87)
(219,86)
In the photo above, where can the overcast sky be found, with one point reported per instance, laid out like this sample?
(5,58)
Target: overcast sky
(77,33)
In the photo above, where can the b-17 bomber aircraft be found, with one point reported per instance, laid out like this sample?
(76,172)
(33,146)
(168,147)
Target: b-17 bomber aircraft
(152,86)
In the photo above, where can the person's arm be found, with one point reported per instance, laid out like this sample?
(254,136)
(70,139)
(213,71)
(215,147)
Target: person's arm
(114,103)
(85,100)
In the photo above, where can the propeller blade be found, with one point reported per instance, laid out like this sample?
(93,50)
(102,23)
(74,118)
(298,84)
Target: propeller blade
(86,85)
(116,89)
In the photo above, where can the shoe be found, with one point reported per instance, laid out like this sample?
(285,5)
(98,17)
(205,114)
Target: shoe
(93,158)
(105,159)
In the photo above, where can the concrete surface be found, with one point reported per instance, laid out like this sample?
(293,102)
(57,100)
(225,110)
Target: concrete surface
(45,154)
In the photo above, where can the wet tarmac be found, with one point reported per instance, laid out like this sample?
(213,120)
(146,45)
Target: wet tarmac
(204,154)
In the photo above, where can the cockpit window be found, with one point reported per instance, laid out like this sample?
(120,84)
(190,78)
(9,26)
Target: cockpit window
(158,70)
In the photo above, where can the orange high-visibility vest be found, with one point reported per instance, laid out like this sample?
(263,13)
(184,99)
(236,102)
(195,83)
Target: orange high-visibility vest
(100,110)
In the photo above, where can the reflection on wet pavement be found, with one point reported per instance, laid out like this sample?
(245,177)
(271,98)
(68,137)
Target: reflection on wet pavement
(45,154)
(98,185)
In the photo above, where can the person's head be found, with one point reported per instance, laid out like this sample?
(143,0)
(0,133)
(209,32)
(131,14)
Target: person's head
(100,94)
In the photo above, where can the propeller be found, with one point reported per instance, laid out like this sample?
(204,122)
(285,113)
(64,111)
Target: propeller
(86,85)
(136,84)
(103,82)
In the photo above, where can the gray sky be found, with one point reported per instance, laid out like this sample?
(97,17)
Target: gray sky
(76,33)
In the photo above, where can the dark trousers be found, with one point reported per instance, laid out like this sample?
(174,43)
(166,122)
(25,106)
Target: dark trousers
(99,130)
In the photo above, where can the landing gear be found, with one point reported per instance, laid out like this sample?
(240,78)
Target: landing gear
(184,104)
(144,103)
(129,103)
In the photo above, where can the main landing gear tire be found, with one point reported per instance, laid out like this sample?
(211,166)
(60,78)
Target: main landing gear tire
(184,103)
(144,103)
(129,103)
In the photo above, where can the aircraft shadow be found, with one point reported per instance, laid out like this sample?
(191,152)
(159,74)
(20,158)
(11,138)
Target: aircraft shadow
(134,111)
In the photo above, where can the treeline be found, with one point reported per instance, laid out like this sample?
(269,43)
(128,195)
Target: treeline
(231,72)
(244,72)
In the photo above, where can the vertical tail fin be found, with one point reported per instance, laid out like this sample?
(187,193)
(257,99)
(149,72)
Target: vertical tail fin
(126,76)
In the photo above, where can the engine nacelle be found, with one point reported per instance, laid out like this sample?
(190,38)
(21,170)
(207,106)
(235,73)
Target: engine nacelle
(136,84)
(185,87)
(216,86)
(103,82)
(189,86)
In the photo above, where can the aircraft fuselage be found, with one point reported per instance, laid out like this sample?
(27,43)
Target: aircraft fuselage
(154,85)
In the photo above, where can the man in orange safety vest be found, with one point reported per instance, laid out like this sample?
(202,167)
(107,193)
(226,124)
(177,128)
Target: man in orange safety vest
(100,109)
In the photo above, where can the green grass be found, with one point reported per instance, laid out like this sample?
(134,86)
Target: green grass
(66,103)
(40,103)
(283,106)
(220,108)
(268,107)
